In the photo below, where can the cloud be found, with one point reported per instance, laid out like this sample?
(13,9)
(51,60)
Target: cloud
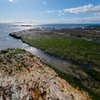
(44,2)
(14,1)
(53,11)
(85,20)
(84,9)
(59,12)
(11,0)
(81,9)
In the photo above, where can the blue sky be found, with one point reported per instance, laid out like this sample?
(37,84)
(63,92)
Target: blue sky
(50,11)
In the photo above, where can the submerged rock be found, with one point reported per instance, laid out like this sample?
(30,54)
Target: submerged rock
(25,77)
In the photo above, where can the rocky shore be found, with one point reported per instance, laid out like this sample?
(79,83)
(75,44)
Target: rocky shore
(24,77)
(87,34)
(77,45)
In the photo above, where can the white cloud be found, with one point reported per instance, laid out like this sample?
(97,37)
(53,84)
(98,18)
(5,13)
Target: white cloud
(44,2)
(14,1)
(60,12)
(53,11)
(62,20)
(81,9)
(84,9)
(11,0)
(83,20)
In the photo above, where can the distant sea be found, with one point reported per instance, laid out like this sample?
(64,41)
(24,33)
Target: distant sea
(8,42)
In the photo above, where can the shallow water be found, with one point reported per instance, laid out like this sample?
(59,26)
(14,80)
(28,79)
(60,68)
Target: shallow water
(5,40)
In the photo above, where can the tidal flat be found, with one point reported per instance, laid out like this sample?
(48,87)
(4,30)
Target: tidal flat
(78,45)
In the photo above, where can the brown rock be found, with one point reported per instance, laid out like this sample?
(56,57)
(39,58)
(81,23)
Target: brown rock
(34,81)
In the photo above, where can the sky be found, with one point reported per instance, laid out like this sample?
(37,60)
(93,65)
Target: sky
(50,11)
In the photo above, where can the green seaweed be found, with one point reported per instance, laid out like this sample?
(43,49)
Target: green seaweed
(19,51)
(5,51)
(71,48)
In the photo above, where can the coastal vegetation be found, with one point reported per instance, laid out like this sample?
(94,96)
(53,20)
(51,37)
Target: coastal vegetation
(5,51)
(14,51)
(71,48)
(83,51)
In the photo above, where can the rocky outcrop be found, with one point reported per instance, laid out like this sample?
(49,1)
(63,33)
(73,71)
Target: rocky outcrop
(24,77)
(87,34)
(20,34)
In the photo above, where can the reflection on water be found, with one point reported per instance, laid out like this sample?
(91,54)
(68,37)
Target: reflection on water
(5,40)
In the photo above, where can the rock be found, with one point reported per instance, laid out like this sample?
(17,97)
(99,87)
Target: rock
(33,80)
